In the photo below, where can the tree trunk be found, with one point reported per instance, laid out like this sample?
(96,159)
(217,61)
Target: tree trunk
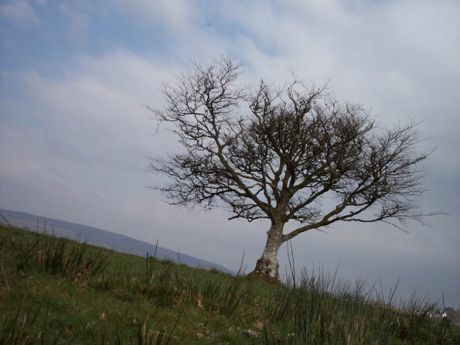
(267,266)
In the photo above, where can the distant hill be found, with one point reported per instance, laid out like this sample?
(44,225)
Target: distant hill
(103,238)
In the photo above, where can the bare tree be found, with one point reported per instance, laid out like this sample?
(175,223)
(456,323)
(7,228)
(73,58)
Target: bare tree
(280,154)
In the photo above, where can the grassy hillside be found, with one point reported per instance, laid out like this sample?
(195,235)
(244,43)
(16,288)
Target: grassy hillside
(56,291)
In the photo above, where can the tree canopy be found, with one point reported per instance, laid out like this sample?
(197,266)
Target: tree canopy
(285,154)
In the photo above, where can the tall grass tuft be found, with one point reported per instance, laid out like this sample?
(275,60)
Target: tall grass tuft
(24,250)
(231,294)
(56,256)
(28,324)
(137,334)
(322,310)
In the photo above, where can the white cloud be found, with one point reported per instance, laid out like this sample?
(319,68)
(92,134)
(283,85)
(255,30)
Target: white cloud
(84,137)
(399,58)
(173,14)
(93,112)
(20,12)
(77,22)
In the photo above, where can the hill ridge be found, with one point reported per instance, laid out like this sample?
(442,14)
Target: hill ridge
(102,237)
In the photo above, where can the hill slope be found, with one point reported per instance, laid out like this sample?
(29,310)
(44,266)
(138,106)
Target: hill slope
(103,238)
(56,291)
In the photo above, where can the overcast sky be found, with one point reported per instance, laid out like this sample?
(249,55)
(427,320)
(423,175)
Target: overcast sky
(76,77)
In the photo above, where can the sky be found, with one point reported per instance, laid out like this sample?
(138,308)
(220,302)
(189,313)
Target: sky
(76,78)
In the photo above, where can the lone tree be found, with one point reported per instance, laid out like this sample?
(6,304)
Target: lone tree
(280,154)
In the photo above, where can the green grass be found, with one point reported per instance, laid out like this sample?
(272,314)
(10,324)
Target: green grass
(56,291)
